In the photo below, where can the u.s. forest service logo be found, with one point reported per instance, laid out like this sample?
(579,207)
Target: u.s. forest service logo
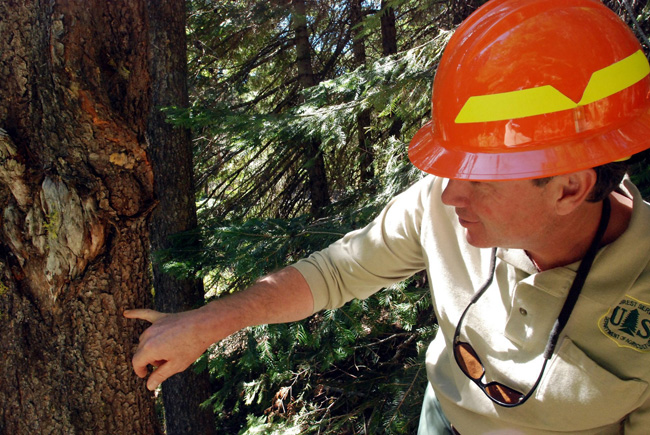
(628,324)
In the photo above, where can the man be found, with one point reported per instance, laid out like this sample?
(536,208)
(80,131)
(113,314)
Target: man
(538,259)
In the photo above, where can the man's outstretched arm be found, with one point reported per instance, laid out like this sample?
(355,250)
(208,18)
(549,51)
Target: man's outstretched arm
(174,341)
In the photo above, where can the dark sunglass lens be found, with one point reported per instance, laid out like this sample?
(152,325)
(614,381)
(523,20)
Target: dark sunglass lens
(468,361)
(503,394)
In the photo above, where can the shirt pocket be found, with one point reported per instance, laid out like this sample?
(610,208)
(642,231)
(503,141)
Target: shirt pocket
(583,395)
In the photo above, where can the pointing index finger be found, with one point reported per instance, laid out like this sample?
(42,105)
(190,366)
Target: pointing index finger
(144,314)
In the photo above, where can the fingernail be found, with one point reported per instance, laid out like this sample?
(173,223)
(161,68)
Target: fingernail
(152,386)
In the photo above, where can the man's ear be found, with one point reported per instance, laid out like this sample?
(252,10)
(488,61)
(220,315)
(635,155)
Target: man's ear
(573,190)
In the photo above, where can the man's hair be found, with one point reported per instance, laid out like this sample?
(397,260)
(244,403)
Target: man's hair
(609,176)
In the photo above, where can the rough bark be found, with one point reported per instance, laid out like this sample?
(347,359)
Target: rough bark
(315,163)
(76,191)
(171,156)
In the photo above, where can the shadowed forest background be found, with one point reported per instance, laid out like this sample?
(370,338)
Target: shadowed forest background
(298,114)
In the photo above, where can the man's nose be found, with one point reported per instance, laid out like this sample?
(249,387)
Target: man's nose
(456,194)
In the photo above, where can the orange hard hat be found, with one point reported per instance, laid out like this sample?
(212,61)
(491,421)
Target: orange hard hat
(535,88)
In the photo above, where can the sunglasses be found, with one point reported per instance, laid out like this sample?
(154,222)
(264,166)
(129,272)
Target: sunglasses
(469,362)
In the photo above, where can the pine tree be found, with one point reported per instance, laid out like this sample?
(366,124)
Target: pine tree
(631,323)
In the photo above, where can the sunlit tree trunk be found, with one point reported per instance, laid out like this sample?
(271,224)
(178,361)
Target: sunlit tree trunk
(315,163)
(76,193)
(366,155)
(388,30)
(389,46)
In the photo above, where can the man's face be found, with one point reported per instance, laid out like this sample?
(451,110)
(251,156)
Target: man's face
(506,214)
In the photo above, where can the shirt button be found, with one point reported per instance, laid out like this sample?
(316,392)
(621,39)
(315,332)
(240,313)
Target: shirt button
(523,311)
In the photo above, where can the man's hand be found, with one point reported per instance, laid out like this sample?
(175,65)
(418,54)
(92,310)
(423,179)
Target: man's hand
(174,341)
(171,344)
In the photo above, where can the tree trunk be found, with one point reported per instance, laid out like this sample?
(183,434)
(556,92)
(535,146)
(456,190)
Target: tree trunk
(389,46)
(315,163)
(388,30)
(76,191)
(366,154)
(171,156)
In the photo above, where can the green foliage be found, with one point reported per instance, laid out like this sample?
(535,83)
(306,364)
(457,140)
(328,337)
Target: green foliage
(640,174)
(349,370)
(234,253)
(250,117)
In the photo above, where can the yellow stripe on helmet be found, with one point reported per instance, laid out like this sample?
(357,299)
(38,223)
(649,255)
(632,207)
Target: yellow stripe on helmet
(515,104)
(616,77)
(546,99)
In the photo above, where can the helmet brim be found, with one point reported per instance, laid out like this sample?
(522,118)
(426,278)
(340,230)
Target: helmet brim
(432,154)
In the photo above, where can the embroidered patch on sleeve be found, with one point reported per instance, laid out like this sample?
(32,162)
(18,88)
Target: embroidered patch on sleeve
(628,324)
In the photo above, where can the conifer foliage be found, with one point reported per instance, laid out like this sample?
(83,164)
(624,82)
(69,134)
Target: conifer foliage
(260,128)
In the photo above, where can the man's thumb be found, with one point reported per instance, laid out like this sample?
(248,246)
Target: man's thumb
(159,375)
